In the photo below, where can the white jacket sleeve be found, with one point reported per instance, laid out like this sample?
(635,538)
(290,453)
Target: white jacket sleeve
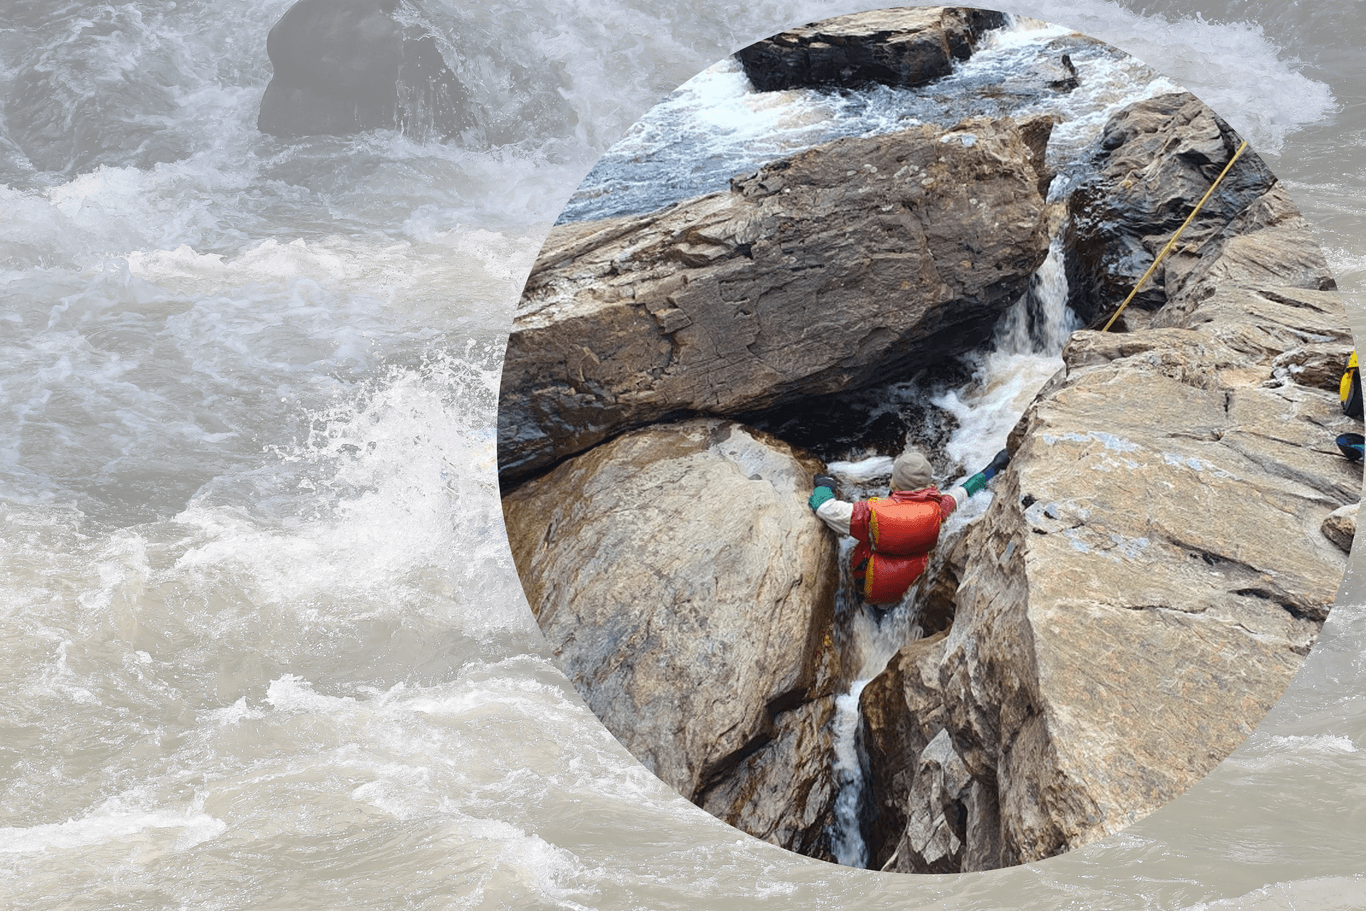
(836,514)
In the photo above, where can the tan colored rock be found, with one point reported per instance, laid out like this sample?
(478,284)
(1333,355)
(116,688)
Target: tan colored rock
(1141,595)
(902,711)
(1341,526)
(688,592)
(819,273)
(907,46)
(784,792)
(1152,570)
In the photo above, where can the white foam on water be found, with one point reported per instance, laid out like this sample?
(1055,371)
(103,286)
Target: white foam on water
(384,491)
(718,106)
(1231,64)
(847,845)
(863,471)
(1263,752)
(112,826)
(986,413)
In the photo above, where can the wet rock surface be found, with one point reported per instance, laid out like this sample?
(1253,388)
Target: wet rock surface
(1158,158)
(1158,557)
(1152,570)
(345,66)
(688,593)
(837,268)
(899,47)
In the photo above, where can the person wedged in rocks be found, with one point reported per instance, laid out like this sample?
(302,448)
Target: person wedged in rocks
(896,533)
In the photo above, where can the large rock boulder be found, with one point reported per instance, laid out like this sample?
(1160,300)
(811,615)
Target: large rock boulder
(904,47)
(344,66)
(844,265)
(688,593)
(1151,571)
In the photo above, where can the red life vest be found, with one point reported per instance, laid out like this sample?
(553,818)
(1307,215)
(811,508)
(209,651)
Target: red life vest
(895,538)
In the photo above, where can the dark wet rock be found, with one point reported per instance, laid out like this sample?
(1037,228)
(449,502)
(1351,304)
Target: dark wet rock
(904,47)
(344,66)
(688,592)
(848,265)
(1065,78)
(1157,159)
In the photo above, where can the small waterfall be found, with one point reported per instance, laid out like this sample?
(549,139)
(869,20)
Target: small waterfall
(846,842)
(1040,322)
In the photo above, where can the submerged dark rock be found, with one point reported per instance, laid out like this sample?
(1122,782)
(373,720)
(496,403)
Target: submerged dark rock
(345,66)
(904,47)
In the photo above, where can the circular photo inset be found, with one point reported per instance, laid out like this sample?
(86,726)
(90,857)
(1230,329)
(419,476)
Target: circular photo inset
(926,440)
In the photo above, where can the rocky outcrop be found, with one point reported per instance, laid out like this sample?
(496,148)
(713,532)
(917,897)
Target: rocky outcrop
(1151,571)
(830,270)
(900,47)
(344,66)
(1158,157)
(688,593)
(902,713)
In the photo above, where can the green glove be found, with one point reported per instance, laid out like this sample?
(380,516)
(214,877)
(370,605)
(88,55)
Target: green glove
(825,490)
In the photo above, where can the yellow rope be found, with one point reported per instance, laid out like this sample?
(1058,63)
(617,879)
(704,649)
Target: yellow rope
(1171,243)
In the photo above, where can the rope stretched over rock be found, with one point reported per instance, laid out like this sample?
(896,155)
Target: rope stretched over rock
(1171,243)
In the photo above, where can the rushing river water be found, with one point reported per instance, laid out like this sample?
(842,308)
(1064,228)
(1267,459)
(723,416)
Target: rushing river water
(263,643)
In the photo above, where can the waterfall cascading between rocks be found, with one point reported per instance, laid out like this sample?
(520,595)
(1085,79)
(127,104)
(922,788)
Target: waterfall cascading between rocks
(1025,351)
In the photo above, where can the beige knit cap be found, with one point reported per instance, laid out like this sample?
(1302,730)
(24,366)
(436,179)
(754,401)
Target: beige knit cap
(911,471)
